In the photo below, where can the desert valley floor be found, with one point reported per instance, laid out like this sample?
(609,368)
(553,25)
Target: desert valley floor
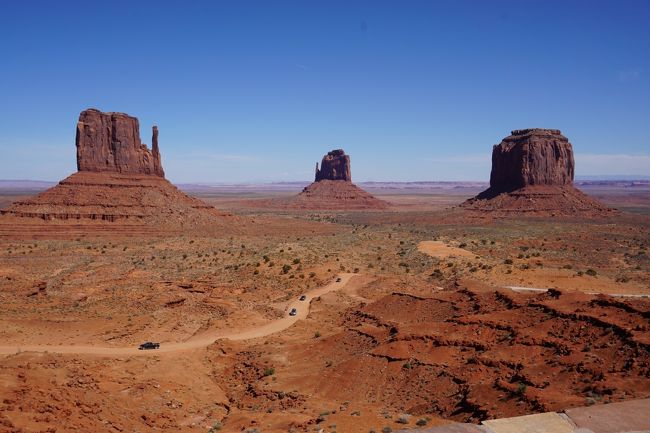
(418,314)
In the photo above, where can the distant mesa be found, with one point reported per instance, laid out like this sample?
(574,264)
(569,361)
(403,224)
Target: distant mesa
(118,179)
(332,189)
(532,173)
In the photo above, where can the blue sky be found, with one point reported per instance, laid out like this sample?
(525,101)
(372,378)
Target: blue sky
(259,91)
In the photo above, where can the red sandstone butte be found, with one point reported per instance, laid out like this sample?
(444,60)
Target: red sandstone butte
(333,188)
(532,157)
(119,179)
(532,173)
(334,166)
(110,142)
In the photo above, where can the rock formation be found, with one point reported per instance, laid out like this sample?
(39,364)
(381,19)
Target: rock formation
(532,172)
(334,166)
(119,179)
(332,189)
(531,157)
(111,142)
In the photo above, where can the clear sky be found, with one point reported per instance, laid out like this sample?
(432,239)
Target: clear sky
(259,91)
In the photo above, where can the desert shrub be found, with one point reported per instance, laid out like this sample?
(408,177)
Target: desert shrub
(296,261)
(507,261)
(591,272)
(521,389)
(269,371)
(462,245)
(317,334)
(266,258)
(386,429)
(422,422)
(403,419)
(215,427)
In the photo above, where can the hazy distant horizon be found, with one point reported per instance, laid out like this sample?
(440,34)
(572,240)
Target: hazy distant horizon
(615,178)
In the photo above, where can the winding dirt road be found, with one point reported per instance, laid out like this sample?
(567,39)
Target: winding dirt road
(201,340)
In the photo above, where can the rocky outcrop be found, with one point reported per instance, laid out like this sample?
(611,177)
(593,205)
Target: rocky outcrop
(333,188)
(531,157)
(110,142)
(119,180)
(334,166)
(532,174)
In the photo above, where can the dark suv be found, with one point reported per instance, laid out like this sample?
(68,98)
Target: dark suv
(149,345)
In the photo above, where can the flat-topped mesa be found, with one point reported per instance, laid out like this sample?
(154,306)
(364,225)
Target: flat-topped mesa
(531,157)
(110,142)
(334,166)
(532,174)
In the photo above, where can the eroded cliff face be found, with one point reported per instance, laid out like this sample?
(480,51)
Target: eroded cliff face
(334,166)
(110,142)
(531,157)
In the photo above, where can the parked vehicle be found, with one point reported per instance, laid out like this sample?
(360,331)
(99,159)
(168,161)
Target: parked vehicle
(149,345)
(303,297)
(293,312)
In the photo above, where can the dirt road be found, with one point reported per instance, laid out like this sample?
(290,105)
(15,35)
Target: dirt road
(201,340)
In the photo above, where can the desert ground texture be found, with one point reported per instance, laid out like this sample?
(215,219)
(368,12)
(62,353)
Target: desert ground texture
(415,315)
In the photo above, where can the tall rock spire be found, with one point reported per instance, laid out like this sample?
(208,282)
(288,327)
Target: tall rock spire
(157,165)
